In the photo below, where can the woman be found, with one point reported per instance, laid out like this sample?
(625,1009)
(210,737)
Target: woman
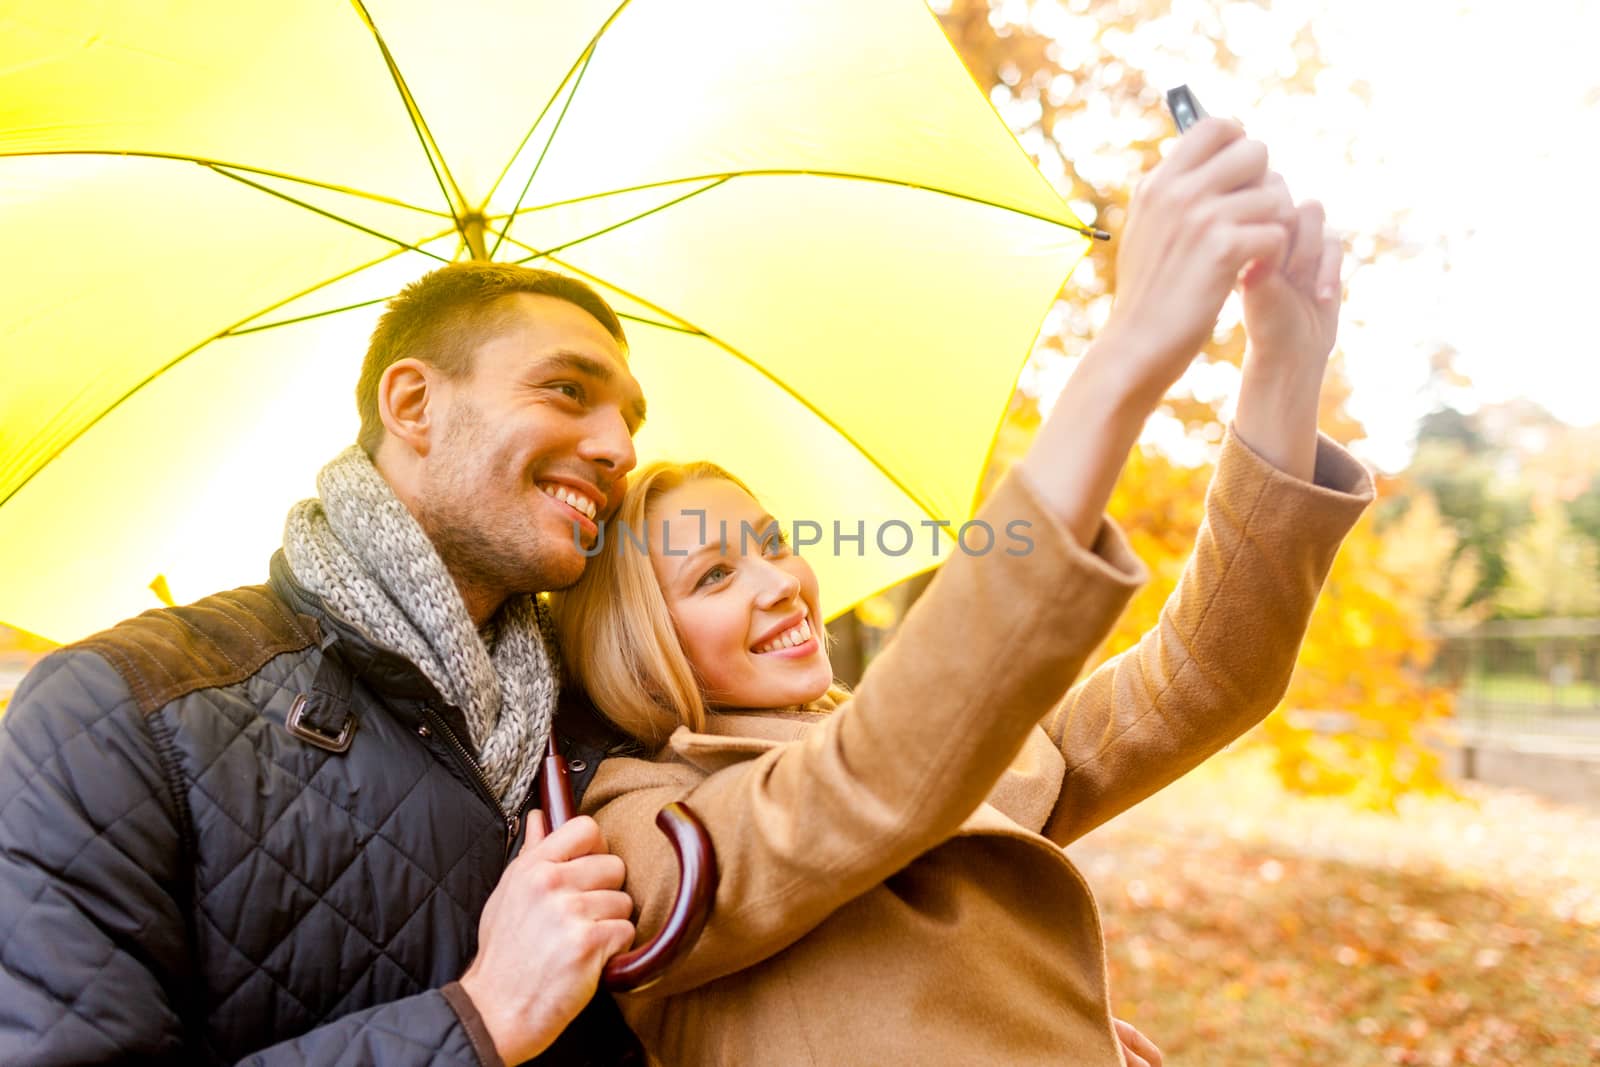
(893,883)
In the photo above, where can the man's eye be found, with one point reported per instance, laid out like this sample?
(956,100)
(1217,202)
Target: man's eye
(713,576)
(569,389)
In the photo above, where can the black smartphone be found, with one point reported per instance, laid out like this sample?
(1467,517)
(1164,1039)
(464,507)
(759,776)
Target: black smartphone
(1186,110)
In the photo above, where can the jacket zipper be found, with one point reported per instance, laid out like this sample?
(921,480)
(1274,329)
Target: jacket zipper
(465,759)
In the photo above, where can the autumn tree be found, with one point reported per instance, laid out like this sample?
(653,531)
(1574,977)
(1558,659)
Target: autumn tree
(1456,467)
(1517,488)
(1583,512)
(1554,569)
(1422,542)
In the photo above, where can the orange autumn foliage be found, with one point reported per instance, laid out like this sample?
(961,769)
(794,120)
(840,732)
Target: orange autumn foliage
(1358,713)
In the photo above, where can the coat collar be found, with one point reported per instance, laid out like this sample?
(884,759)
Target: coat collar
(382,668)
(767,725)
(734,736)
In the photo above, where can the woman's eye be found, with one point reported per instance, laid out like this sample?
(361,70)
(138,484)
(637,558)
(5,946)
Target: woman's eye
(712,576)
(777,545)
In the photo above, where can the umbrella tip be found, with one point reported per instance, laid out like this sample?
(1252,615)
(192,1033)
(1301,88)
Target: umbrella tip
(1099,235)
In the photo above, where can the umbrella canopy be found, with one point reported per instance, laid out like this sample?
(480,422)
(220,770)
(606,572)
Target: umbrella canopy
(830,256)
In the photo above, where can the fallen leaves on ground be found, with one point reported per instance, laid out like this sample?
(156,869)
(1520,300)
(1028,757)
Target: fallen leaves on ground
(1246,925)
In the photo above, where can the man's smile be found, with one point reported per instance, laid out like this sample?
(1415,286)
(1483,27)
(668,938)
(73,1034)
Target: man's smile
(585,502)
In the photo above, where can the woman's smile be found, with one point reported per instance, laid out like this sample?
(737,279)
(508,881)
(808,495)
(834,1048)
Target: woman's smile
(796,639)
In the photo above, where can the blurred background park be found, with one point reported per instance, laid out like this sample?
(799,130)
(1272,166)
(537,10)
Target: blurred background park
(1402,865)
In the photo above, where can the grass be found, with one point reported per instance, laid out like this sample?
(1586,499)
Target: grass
(1528,689)
(1248,926)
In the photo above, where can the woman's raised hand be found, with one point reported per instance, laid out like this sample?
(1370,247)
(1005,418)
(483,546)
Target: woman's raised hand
(1197,220)
(1202,216)
(1291,313)
(1291,318)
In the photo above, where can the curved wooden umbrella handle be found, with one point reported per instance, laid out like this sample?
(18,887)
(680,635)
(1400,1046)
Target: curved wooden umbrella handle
(697,887)
(697,881)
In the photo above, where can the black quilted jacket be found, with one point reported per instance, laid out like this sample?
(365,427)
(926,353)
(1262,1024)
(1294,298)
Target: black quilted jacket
(185,879)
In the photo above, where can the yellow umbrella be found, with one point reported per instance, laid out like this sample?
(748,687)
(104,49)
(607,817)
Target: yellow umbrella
(830,255)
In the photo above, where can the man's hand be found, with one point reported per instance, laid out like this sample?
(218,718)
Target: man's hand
(1137,1050)
(547,930)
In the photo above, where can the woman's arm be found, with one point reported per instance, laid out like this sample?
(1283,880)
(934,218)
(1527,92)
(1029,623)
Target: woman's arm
(1220,657)
(1278,507)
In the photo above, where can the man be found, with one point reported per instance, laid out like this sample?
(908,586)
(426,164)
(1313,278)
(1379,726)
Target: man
(289,822)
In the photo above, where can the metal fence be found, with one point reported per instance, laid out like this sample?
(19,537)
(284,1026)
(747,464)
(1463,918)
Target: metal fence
(1533,679)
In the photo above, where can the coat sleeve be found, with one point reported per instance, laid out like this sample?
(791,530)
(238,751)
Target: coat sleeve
(1220,656)
(94,949)
(439,1028)
(95,953)
(801,829)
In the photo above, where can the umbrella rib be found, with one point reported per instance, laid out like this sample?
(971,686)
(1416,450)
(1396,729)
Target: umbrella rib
(1087,231)
(537,254)
(576,85)
(19,458)
(290,299)
(675,328)
(304,318)
(994,438)
(326,214)
(581,62)
(213,164)
(153,375)
(688,326)
(430,147)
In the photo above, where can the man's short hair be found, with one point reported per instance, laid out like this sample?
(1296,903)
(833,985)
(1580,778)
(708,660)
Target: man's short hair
(442,317)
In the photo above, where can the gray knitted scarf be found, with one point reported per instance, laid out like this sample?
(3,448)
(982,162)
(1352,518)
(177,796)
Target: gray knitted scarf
(358,548)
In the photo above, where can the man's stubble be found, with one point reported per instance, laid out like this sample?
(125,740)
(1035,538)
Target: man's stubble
(476,512)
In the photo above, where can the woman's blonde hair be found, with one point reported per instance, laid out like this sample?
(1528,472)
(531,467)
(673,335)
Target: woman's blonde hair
(617,636)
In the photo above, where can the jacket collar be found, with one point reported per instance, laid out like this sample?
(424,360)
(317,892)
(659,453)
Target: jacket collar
(381,668)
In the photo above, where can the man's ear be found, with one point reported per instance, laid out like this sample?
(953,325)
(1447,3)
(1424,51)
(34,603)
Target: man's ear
(407,398)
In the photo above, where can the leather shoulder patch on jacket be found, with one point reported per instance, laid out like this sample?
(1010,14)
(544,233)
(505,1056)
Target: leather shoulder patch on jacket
(223,639)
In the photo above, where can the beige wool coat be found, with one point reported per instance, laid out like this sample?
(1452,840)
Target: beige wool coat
(893,885)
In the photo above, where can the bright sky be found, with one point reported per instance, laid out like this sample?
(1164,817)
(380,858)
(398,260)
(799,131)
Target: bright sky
(1479,142)
(1484,129)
